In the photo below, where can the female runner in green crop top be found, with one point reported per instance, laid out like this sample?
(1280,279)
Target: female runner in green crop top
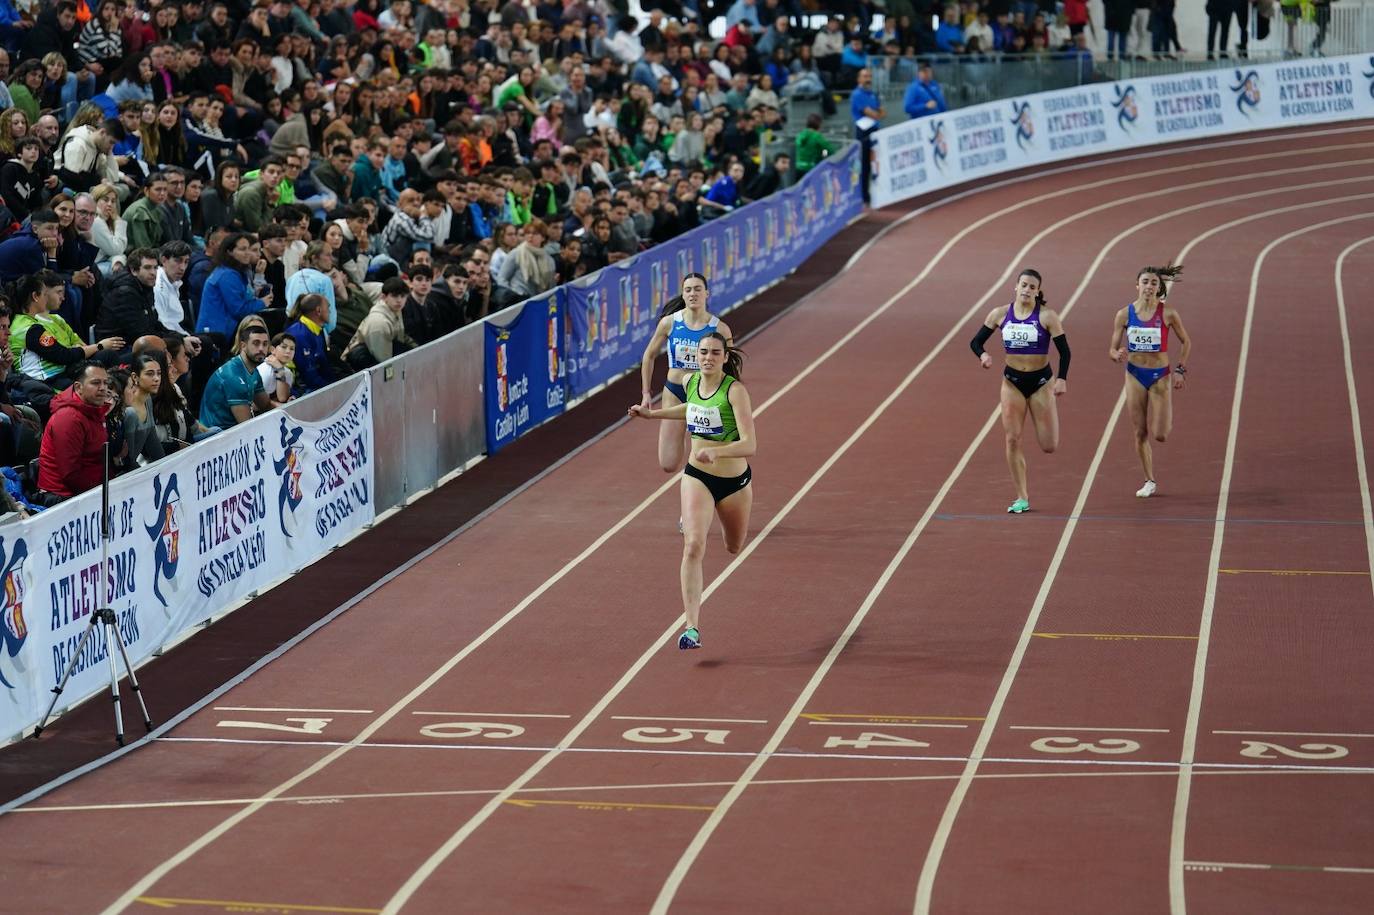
(716,479)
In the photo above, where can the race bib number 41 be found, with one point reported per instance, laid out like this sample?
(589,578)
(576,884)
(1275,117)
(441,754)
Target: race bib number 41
(1144,338)
(704,420)
(685,353)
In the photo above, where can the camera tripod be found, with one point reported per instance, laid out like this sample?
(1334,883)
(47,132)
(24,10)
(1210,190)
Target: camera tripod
(103,617)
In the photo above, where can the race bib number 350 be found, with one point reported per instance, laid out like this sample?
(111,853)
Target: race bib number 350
(1144,338)
(704,420)
(1018,336)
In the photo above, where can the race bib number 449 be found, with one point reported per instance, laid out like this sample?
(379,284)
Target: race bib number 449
(1144,338)
(704,420)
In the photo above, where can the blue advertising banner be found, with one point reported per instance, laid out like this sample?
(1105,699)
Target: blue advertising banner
(524,370)
(612,314)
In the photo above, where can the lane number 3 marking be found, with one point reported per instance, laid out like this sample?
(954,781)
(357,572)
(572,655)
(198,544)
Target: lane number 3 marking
(1108,745)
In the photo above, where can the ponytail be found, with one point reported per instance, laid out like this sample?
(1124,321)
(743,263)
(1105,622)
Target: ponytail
(675,304)
(1167,274)
(734,356)
(1039,292)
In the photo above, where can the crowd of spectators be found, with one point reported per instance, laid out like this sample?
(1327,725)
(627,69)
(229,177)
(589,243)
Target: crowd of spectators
(212,207)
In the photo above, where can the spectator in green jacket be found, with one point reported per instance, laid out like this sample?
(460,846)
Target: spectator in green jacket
(254,201)
(147,228)
(812,146)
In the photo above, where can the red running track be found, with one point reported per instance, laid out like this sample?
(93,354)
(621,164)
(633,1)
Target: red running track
(906,700)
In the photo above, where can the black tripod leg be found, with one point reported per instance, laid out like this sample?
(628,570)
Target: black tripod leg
(66,675)
(112,635)
(133,681)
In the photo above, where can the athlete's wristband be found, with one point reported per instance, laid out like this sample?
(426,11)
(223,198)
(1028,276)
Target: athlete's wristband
(1181,369)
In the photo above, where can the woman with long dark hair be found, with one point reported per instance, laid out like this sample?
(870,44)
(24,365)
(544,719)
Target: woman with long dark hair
(217,203)
(169,142)
(1027,327)
(683,322)
(228,294)
(716,481)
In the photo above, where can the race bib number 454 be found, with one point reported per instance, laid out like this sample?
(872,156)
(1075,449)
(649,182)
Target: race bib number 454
(1144,338)
(704,420)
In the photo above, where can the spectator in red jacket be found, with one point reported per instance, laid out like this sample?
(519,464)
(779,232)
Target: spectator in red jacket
(71,457)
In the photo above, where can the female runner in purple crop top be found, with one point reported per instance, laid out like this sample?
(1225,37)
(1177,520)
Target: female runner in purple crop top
(1144,327)
(1027,327)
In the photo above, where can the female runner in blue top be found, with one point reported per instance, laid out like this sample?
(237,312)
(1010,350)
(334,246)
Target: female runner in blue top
(1145,325)
(720,419)
(683,323)
(1027,327)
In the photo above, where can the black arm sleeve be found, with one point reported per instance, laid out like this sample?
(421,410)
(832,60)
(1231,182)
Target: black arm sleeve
(1061,343)
(980,338)
(53,352)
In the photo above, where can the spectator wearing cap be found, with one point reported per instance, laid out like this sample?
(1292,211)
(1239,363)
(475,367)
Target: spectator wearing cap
(924,96)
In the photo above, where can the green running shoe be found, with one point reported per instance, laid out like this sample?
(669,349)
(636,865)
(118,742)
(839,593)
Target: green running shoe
(1019,506)
(689,639)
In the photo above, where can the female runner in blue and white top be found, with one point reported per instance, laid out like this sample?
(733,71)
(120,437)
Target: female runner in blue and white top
(685,321)
(1027,327)
(1145,326)
(716,480)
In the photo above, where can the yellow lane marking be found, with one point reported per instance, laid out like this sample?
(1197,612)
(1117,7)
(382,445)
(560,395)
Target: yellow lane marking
(165,902)
(1286,572)
(822,716)
(603,805)
(1110,636)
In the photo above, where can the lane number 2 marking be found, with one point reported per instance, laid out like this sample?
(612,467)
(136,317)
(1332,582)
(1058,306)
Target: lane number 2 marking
(1259,749)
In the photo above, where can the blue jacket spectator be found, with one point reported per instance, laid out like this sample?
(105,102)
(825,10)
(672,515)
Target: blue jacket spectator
(924,97)
(23,253)
(863,101)
(743,11)
(227,298)
(313,369)
(949,37)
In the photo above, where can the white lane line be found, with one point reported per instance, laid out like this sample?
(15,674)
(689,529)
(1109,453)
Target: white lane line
(1027,727)
(779,754)
(1356,426)
(1177,891)
(689,856)
(190,850)
(490,715)
(326,711)
(413,882)
(703,720)
(1289,734)
(658,786)
(882,724)
(1233,865)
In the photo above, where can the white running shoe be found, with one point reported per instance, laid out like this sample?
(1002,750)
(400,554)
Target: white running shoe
(1147,490)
